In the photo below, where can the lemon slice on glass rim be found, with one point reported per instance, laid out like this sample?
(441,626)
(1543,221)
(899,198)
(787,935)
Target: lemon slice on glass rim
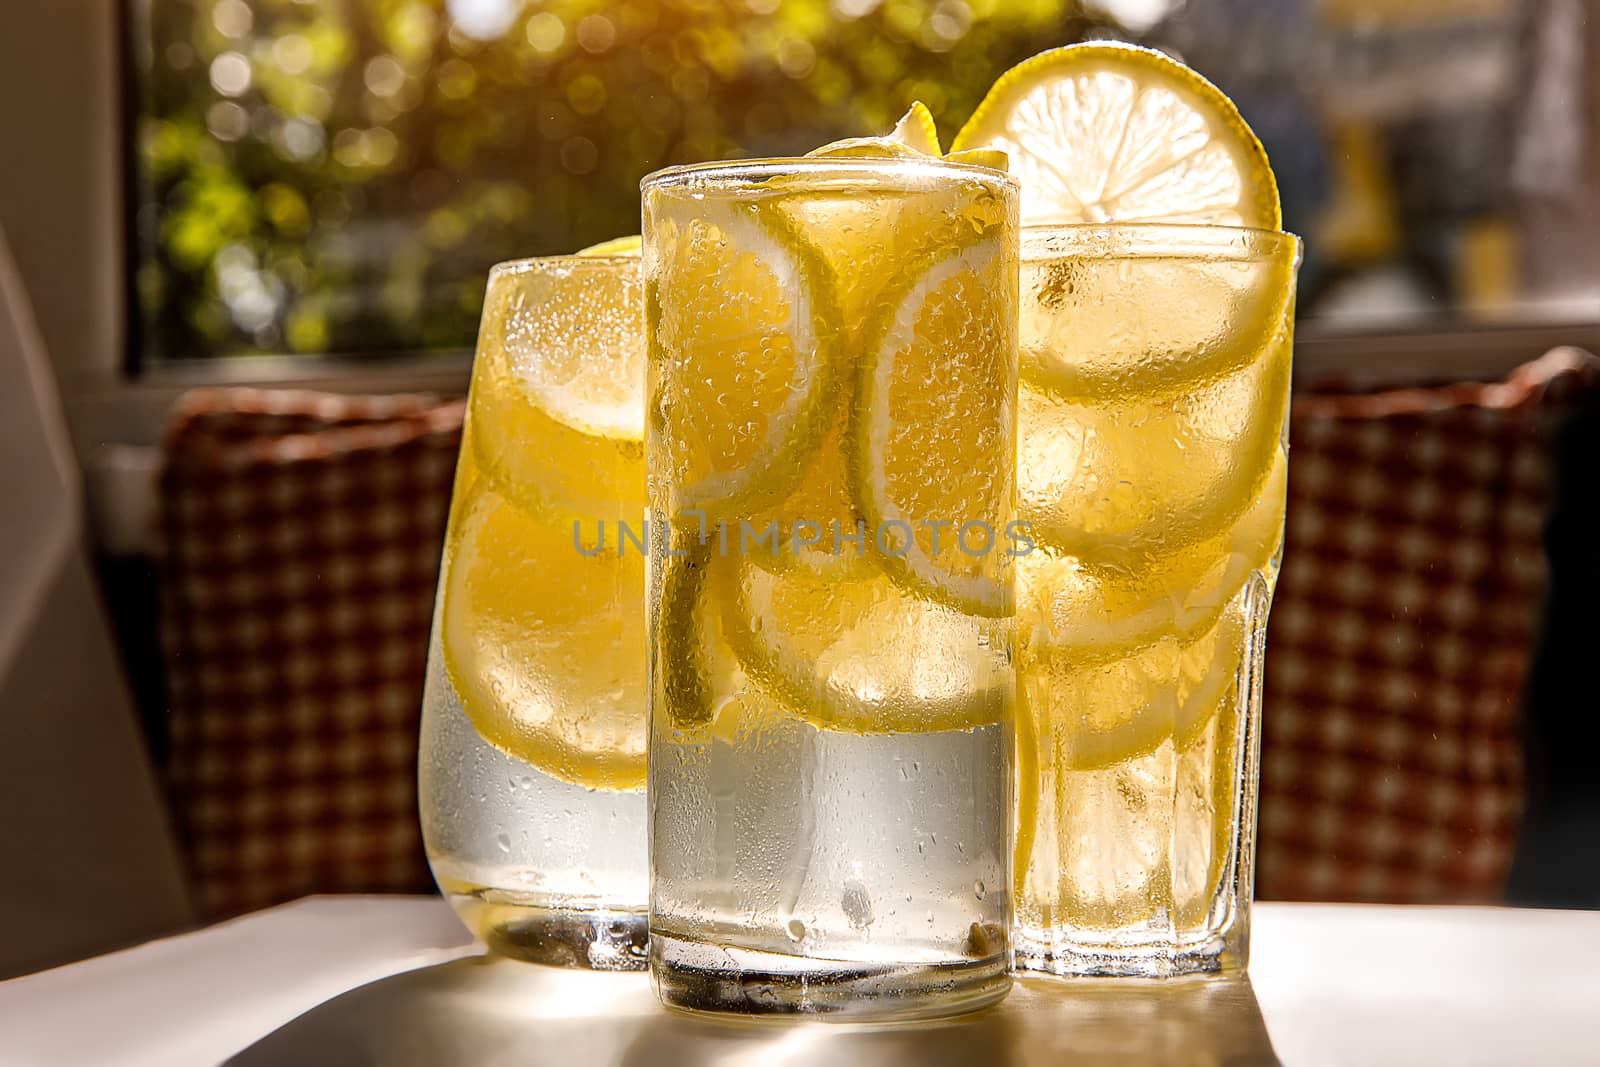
(1102,132)
(914,136)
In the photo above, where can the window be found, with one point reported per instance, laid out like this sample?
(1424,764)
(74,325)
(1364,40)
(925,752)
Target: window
(336,176)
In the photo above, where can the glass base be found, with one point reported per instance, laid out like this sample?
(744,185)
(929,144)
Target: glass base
(593,939)
(698,976)
(1121,958)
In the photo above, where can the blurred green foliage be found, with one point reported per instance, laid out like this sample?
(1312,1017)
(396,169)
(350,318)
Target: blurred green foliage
(338,175)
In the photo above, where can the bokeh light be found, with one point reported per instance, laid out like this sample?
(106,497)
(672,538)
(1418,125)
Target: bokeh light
(406,126)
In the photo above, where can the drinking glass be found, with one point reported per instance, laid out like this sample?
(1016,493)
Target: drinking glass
(831,446)
(532,759)
(1153,412)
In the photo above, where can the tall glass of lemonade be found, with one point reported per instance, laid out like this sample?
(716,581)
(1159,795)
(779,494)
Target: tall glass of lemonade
(1152,470)
(831,446)
(532,760)
(1157,319)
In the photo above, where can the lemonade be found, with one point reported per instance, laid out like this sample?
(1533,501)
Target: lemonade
(1156,325)
(831,446)
(1157,498)
(533,733)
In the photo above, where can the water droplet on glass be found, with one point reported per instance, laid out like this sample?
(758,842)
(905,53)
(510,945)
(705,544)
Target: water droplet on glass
(979,889)
(797,930)
(504,841)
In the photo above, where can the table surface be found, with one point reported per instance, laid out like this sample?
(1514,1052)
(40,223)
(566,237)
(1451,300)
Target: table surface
(395,980)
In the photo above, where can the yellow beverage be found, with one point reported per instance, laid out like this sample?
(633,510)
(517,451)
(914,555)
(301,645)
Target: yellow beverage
(1156,331)
(533,735)
(1151,471)
(831,387)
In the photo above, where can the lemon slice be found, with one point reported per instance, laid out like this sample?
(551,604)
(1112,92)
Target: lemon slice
(935,425)
(1095,615)
(1114,133)
(1170,308)
(814,528)
(993,158)
(916,129)
(1100,714)
(631,245)
(748,344)
(1129,479)
(684,676)
(544,644)
(863,656)
(1074,719)
(914,136)
(873,240)
(556,416)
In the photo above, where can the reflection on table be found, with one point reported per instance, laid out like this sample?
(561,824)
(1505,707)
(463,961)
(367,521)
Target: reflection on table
(487,1010)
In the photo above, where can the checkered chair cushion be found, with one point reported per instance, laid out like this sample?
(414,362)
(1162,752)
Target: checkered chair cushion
(301,537)
(1392,751)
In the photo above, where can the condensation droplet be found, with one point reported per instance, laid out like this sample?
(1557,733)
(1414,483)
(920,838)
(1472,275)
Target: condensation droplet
(797,930)
(979,889)
(504,841)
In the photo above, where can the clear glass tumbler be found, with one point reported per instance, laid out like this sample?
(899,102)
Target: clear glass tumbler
(831,388)
(532,760)
(1153,411)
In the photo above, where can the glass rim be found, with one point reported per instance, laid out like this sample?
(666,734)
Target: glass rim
(1139,240)
(532,264)
(753,172)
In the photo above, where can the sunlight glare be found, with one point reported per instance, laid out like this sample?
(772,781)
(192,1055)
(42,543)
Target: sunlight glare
(485,20)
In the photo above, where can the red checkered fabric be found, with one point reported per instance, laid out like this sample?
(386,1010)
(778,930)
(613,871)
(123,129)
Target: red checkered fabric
(301,538)
(1406,613)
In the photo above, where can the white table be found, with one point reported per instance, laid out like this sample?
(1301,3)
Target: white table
(394,980)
